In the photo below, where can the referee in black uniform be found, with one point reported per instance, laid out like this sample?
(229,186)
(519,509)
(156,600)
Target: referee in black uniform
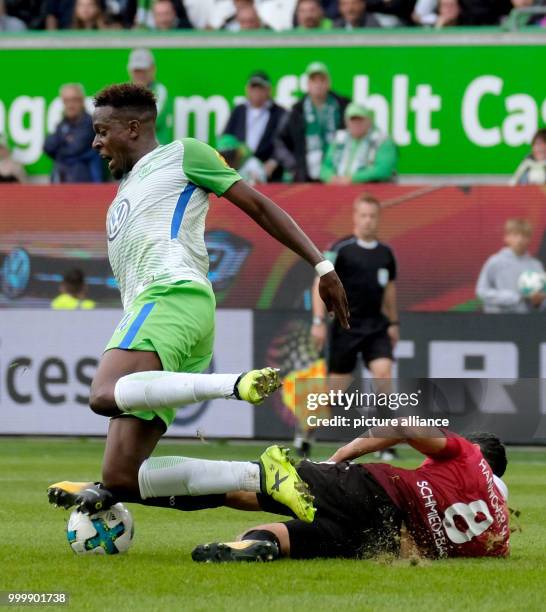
(367,269)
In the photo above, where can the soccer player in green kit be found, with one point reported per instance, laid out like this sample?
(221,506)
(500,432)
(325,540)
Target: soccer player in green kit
(153,362)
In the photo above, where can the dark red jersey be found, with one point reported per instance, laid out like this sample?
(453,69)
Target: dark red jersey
(454,506)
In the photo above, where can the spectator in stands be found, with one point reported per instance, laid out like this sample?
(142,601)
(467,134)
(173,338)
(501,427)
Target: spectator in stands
(532,19)
(209,14)
(146,15)
(246,17)
(121,13)
(88,15)
(240,158)
(276,14)
(354,15)
(425,12)
(391,13)
(469,12)
(330,8)
(8,23)
(360,153)
(484,12)
(142,70)
(59,14)
(532,170)
(10,170)
(449,13)
(31,12)
(164,15)
(257,120)
(307,131)
(70,145)
(310,16)
(73,292)
(497,285)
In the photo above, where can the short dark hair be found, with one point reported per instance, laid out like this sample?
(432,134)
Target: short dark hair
(74,279)
(540,135)
(127,96)
(492,449)
(317,2)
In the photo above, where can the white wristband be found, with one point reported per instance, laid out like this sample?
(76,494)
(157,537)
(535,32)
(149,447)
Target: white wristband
(323,267)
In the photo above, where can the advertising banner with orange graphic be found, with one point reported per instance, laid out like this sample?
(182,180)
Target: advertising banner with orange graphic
(441,237)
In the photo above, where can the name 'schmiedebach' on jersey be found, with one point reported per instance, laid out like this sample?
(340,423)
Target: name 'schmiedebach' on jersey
(156,223)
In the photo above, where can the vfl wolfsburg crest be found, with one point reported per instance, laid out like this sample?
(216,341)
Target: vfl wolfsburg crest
(145,170)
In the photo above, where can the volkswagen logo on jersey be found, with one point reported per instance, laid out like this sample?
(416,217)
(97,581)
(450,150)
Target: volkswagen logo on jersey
(116,218)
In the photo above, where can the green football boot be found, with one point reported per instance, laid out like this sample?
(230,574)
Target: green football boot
(281,481)
(256,385)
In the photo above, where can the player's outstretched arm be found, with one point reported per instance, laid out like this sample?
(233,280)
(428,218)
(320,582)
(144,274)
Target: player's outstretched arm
(427,440)
(279,224)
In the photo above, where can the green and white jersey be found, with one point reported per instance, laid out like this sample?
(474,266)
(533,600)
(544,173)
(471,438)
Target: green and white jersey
(156,223)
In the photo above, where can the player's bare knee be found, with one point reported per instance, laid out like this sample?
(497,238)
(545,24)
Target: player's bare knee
(381,371)
(102,401)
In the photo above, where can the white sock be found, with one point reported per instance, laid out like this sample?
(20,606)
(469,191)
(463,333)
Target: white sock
(166,476)
(157,389)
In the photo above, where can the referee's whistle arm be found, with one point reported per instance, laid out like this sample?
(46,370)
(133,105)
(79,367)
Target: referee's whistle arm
(333,295)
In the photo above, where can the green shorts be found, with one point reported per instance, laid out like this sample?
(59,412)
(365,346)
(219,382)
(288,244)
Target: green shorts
(176,322)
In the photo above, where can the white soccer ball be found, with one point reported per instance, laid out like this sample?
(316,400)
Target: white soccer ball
(108,532)
(531,282)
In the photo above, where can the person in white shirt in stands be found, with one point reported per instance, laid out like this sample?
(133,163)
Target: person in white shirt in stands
(425,12)
(209,14)
(213,14)
(277,14)
(10,24)
(532,170)
(497,285)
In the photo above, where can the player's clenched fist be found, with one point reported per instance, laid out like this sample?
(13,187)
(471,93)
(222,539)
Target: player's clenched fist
(333,295)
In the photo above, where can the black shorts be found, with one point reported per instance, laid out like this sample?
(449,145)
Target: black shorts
(345,345)
(355,517)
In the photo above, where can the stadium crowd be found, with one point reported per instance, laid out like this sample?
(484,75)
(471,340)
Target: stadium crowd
(237,15)
(324,137)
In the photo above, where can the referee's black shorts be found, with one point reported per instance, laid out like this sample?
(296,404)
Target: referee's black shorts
(355,517)
(344,345)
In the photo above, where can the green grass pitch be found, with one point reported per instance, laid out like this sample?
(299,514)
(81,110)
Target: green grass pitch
(158,573)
